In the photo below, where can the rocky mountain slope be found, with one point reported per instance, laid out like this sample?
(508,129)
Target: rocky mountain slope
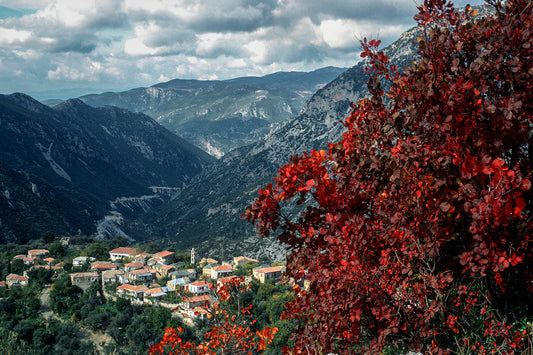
(219,116)
(60,167)
(210,207)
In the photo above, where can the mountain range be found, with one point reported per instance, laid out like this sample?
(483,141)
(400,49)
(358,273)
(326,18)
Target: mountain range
(221,115)
(60,167)
(102,160)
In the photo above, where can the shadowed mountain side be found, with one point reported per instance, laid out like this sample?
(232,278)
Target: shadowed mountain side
(62,166)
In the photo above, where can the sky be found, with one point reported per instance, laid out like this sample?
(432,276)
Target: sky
(56,48)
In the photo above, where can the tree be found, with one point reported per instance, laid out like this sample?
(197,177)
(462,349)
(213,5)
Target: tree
(232,331)
(57,250)
(98,251)
(417,228)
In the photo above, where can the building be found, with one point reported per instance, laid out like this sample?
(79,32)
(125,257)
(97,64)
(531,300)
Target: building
(136,292)
(103,266)
(190,273)
(84,279)
(221,271)
(267,273)
(111,276)
(38,252)
(49,260)
(16,280)
(144,275)
(200,287)
(133,266)
(197,301)
(154,294)
(166,256)
(163,270)
(26,259)
(80,261)
(121,253)
(208,261)
(206,270)
(178,284)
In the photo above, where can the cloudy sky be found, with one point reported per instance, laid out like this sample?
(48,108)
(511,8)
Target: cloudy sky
(98,45)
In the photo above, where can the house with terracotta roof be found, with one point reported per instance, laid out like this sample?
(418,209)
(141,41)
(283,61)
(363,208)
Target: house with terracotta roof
(84,279)
(200,287)
(2,284)
(132,291)
(221,271)
(119,254)
(206,270)
(26,259)
(103,266)
(110,276)
(17,280)
(38,252)
(267,273)
(49,260)
(133,266)
(163,270)
(197,301)
(145,274)
(154,294)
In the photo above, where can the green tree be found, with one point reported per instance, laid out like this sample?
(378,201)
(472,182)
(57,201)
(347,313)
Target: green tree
(99,251)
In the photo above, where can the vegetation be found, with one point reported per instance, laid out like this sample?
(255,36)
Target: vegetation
(417,230)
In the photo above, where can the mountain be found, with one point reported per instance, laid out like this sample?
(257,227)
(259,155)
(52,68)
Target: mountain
(219,116)
(60,167)
(211,205)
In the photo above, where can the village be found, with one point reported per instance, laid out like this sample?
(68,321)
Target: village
(150,279)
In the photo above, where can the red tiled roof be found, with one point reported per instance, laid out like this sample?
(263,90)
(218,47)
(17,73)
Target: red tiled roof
(49,259)
(154,291)
(103,266)
(164,253)
(134,265)
(129,287)
(222,268)
(267,270)
(203,298)
(37,251)
(13,277)
(2,284)
(199,283)
(142,271)
(125,250)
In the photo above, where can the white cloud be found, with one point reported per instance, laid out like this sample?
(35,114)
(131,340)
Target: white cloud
(10,36)
(127,43)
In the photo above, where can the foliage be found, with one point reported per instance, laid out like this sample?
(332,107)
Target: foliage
(417,227)
(57,250)
(233,328)
(99,251)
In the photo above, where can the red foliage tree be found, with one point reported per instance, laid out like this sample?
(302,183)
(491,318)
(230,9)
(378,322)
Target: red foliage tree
(233,332)
(417,230)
